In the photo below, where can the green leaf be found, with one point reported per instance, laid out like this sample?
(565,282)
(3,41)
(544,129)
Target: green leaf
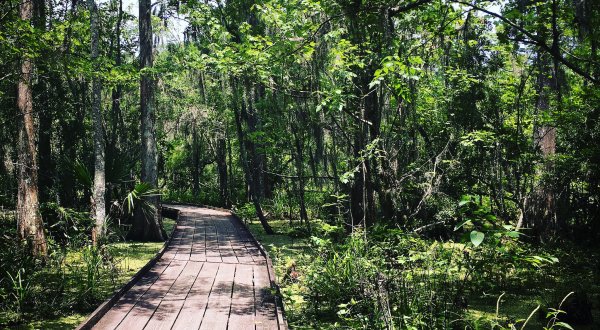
(477,237)
(464,222)
(564,325)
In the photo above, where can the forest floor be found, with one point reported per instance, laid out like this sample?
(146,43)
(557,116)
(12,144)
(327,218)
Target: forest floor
(577,270)
(127,258)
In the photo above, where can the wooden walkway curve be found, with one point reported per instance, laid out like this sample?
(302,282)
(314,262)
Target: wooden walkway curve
(212,275)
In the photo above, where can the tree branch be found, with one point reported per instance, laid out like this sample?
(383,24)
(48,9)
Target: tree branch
(401,9)
(553,51)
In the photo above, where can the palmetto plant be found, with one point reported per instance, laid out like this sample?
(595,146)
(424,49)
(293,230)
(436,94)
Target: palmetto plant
(137,198)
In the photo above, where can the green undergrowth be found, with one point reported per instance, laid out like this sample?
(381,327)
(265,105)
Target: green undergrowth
(389,279)
(72,283)
(288,252)
(577,273)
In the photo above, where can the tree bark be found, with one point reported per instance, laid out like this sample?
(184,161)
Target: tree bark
(29,219)
(195,162)
(248,170)
(366,130)
(540,205)
(146,225)
(98,195)
(116,117)
(42,89)
(221,155)
(300,172)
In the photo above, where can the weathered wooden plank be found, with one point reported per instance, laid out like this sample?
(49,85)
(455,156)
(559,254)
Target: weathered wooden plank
(139,315)
(212,276)
(225,248)
(115,315)
(185,245)
(219,300)
(255,252)
(179,241)
(242,254)
(191,313)
(242,314)
(212,245)
(118,312)
(165,315)
(199,242)
(179,290)
(204,282)
(164,282)
(266,312)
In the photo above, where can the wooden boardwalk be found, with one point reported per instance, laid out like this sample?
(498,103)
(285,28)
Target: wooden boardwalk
(211,276)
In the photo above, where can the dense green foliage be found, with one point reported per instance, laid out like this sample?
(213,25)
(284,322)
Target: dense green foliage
(422,143)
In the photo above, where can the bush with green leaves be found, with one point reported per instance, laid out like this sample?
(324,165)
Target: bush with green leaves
(382,280)
(491,249)
(246,211)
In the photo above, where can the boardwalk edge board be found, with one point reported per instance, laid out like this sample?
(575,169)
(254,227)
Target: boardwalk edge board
(97,314)
(281,320)
(278,301)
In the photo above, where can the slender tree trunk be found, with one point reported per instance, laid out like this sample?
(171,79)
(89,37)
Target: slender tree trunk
(29,219)
(42,89)
(248,170)
(98,195)
(146,225)
(116,118)
(46,171)
(114,147)
(221,154)
(300,172)
(230,186)
(195,161)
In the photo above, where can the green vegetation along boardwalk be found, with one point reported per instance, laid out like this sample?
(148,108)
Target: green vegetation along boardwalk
(211,276)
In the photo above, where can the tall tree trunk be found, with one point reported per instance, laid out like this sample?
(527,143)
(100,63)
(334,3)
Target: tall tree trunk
(249,167)
(300,171)
(116,136)
(540,210)
(42,89)
(116,117)
(221,156)
(46,165)
(98,195)
(29,219)
(146,225)
(195,161)
(540,206)
(367,122)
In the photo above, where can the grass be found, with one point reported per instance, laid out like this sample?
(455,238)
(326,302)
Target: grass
(282,246)
(124,260)
(64,322)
